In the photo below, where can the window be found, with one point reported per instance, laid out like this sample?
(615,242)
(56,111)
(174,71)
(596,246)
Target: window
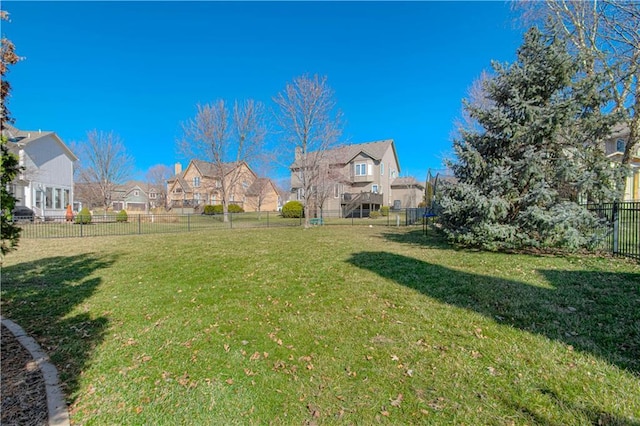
(196,181)
(336,191)
(136,193)
(374,189)
(177,191)
(152,195)
(381,169)
(196,196)
(361,169)
(48,203)
(58,198)
(620,145)
(245,184)
(67,198)
(39,198)
(393,173)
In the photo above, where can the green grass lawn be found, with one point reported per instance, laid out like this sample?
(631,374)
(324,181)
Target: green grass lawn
(330,325)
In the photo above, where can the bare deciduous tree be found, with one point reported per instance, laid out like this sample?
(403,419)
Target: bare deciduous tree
(104,163)
(157,177)
(226,140)
(605,36)
(311,126)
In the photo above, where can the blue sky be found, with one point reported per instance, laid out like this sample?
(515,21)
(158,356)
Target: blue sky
(399,69)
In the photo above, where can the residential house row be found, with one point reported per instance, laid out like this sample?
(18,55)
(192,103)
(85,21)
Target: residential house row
(362,176)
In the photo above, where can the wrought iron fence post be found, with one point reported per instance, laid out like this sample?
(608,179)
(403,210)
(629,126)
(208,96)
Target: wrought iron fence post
(616,227)
(139,224)
(188,223)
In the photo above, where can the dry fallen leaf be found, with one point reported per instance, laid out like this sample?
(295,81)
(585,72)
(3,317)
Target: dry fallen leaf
(396,402)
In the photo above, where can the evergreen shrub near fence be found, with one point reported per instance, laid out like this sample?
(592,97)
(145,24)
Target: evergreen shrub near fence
(84,217)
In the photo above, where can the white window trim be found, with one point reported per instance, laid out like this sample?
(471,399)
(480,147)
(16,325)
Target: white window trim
(360,169)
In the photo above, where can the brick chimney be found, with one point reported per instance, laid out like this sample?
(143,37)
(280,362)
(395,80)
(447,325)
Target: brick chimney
(178,168)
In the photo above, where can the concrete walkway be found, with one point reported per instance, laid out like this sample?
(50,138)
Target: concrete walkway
(56,405)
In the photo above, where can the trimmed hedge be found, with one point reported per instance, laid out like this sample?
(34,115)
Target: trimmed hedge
(209,209)
(374,214)
(84,217)
(122,216)
(384,210)
(217,209)
(292,209)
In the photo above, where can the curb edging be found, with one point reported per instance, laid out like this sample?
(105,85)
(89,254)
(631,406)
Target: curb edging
(56,405)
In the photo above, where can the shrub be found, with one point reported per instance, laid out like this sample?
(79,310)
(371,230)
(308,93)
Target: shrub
(209,209)
(217,209)
(122,216)
(292,209)
(384,210)
(234,208)
(374,214)
(84,216)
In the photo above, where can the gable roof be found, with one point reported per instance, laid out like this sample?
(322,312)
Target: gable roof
(258,186)
(345,154)
(19,138)
(208,169)
(406,182)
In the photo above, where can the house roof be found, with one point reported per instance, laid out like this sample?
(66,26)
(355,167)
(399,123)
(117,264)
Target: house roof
(208,169)
(25,137)
(258,186)
(406,182)
(345,154)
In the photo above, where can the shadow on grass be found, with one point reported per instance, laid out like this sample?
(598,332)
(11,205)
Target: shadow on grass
(41,295)
(595,312)
(417,237)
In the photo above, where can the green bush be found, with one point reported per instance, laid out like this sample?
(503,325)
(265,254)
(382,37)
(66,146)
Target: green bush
(374,214)
(217,209)
(122,216)
(234,208)
(384,210)
(84,216)
(292,209)
(209,209)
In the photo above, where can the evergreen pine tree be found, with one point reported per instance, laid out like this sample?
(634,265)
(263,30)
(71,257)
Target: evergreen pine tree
(533,153)
(9,165)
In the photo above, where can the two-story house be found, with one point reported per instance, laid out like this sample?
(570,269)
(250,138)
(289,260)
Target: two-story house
(137,197)
(201,183)
(614,149)
(357,178)
(45,184)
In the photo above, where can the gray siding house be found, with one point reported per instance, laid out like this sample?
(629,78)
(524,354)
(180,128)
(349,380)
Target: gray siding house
(45,184)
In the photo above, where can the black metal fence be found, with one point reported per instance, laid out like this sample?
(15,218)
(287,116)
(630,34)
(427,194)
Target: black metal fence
(623,219)
(111,224)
